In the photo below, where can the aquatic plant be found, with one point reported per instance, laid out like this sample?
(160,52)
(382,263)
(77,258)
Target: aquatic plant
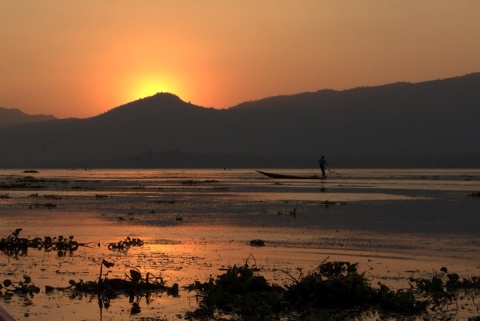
(24,287)
(240,290)
(13,244)
(332,287)
(441,292)
(125,244)
(16,245)
(134,285)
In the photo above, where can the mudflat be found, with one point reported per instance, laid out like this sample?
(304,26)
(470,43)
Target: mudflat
(194,224)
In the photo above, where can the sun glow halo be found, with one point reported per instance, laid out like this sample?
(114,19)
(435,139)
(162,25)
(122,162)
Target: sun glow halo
(149,86)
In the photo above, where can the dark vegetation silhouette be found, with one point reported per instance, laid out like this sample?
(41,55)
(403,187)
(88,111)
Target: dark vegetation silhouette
(428,124)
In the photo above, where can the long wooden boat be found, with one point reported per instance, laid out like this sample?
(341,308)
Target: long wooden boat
(286,176)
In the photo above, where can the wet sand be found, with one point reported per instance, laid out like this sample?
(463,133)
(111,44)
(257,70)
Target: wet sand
(395,224)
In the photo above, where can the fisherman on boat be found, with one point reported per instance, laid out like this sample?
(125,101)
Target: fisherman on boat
(323,163)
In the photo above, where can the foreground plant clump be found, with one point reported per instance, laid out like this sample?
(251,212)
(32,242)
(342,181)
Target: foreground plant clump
(15,245)
(333,288)
(135,286)
(24,287)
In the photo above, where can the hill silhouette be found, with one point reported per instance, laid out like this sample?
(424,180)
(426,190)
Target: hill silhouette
(428,124)
(12,117)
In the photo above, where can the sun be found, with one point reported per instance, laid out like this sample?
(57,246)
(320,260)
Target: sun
(149,85)
(149,89)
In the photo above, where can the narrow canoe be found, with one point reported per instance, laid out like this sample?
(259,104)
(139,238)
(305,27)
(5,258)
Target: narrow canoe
(276,175)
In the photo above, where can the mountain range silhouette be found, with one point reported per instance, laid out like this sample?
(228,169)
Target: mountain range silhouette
(427,124)
(12,116)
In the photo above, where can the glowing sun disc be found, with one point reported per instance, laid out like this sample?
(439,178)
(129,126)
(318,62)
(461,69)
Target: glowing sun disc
(149,86)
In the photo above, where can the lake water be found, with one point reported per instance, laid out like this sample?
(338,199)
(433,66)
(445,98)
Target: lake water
(194,222)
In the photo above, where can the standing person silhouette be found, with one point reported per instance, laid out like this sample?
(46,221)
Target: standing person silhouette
(323,163)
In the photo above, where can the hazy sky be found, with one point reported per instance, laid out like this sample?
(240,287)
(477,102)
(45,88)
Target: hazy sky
(82,58)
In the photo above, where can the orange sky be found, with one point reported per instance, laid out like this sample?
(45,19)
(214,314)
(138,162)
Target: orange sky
(82,58)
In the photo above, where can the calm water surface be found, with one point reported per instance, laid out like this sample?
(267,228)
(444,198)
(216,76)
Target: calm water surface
(194,222)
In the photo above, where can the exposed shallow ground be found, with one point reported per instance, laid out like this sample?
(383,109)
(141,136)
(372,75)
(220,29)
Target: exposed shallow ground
(395,224)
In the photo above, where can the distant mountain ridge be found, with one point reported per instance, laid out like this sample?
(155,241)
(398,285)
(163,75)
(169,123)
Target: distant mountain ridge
(428,124)
(12,116)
